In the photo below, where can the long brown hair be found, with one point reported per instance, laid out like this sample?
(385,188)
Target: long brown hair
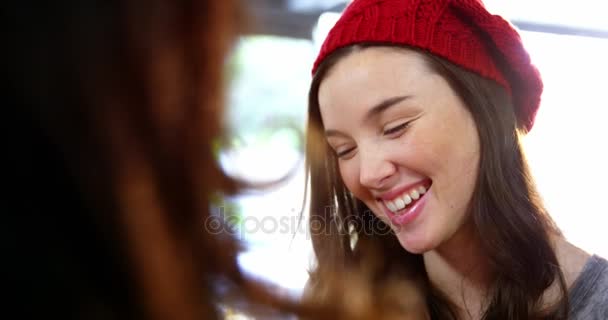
(506,209)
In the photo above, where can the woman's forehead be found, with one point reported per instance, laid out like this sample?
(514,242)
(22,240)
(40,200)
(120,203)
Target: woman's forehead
(371,75)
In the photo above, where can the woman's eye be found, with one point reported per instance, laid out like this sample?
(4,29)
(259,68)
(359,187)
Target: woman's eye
(344,153)
(395,129)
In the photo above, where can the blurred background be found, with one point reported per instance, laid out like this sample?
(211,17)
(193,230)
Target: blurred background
(269,75)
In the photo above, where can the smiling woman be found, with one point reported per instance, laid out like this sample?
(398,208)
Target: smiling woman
(417,110)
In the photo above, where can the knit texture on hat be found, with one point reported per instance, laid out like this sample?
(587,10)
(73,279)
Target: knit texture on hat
(460,31)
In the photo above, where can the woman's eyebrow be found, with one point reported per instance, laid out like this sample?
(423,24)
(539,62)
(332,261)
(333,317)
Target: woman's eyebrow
(333,133)
(383,106)
(371,113)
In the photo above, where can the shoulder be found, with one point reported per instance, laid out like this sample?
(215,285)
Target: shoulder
(589,293)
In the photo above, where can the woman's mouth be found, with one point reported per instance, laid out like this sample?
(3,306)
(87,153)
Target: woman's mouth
(408,204)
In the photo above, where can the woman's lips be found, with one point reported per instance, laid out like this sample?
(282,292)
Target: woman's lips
(411,211)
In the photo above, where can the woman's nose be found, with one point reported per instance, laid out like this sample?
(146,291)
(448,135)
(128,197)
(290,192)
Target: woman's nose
(375,168)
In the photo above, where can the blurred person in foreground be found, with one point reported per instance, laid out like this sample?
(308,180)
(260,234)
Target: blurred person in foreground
(113,106)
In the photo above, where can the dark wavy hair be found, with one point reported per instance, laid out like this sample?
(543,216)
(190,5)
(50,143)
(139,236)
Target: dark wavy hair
(506,210)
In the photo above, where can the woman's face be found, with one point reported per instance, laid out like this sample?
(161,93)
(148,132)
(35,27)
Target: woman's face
(406,144)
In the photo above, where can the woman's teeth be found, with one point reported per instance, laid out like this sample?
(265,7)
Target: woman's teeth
(405,199)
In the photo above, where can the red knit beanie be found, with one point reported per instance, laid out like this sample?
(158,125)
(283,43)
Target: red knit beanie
(460,31)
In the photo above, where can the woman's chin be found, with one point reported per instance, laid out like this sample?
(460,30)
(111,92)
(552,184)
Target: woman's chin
(415,244)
